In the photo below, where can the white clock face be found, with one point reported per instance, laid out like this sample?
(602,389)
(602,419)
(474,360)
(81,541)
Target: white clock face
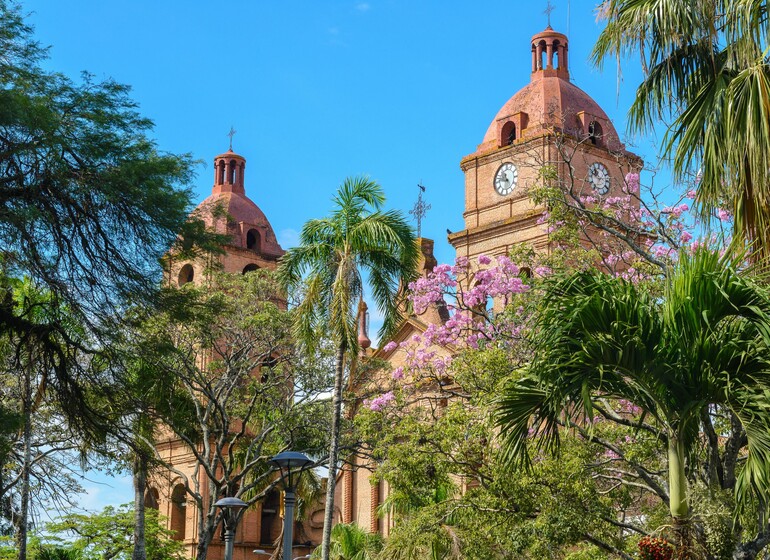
(506,178)
(599,178)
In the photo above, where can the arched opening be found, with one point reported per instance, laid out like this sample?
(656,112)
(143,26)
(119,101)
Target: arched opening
(151,498)
(186,275)
(250,268)
(231,178)
(178,520)
(221,171)
(508,134)
(269,528)
(266,368)
(595,133)
(253,240)
(542,49)
(555,62)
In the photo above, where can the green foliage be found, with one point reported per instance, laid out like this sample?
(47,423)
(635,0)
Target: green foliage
(706,74)
(57,553)
(225,371)
(108,534)
(451,493)
(358,238)
(91,203)
(358,242)
(351,542)
(701,347)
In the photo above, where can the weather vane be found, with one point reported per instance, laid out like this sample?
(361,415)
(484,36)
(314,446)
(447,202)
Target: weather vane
(231,134)
(420,209)
(548,9)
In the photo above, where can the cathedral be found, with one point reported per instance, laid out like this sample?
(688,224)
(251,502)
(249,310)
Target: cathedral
(548,122)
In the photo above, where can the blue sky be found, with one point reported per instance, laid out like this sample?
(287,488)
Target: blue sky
(398,90)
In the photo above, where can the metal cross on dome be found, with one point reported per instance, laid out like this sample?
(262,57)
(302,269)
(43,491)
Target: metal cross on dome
(420,209)
(231,134)
(548,9)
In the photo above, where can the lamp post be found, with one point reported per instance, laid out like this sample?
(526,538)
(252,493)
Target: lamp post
(291,464)
(228,506)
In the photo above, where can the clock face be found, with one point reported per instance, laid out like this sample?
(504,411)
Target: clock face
(506,178)
(599,178)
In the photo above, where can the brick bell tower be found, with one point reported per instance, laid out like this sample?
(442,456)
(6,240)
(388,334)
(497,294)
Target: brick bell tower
(229,211)
(548,122)
(251,245)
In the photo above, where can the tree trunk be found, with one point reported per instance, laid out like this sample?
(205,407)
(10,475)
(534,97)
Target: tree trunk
(140,487)
(21,536)
(677,491)
(206,531)
(333,452)
(677,481)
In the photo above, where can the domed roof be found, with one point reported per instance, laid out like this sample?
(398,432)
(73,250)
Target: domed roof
(229,211)
(549,103)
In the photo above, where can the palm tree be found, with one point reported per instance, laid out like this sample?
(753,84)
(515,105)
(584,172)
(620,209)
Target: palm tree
(351,542)
(412,537)
(704,343)
(706,72)
(357,238)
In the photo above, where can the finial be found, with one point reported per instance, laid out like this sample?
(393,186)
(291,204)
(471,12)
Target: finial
(420,209)
(363,324)
(231,134)
(548,9)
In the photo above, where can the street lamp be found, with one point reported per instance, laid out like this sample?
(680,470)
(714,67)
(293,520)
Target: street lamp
(229,506)
(291,464)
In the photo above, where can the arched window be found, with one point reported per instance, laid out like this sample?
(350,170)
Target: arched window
(253,240)
(266,367)
(556,61)
(543,51)
(178,520)
(595,133)
(221,171)
(186,275)
(269,526)
(151,498)
(250,268)
(508,133)
(232,172)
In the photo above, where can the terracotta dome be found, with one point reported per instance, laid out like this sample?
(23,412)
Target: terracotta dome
(228,210)
(549,102)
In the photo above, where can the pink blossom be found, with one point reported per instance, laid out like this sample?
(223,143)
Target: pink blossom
(685,237)
(380,402)
(695,245)
(483,259)
(611,455)
(398,373)
(691,194)
(724,215)
(632,180)
(628,407)
(390,346)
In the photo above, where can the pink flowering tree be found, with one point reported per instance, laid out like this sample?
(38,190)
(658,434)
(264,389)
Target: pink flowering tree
(636,229)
